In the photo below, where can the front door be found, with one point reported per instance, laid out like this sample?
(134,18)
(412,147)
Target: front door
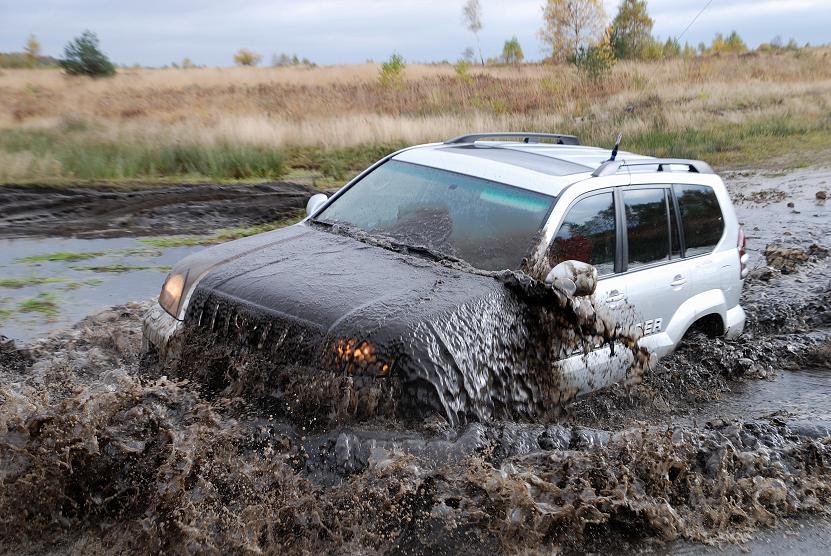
(589,233)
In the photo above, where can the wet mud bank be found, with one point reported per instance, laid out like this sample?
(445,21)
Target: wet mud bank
(106,211)
(103,452)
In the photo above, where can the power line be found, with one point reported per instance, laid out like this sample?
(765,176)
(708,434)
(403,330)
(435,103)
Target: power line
(707,5)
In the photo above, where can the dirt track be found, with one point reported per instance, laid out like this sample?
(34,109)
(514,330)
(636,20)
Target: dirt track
(108,211)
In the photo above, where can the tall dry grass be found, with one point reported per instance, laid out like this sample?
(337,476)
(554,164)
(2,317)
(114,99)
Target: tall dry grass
(43,113)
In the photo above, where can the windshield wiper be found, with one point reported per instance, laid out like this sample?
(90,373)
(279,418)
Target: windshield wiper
(388,242)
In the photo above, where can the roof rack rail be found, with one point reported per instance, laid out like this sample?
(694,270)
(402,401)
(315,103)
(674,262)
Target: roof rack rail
(612,166)
(525,137)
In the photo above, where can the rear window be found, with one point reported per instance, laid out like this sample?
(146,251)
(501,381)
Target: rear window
(701,218)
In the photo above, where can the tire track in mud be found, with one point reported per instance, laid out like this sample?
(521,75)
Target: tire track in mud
(110,211)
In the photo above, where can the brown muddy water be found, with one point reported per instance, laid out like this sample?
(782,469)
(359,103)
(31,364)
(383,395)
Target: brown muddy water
(723,442)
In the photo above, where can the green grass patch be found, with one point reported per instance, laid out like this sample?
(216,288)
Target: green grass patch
(73,285)
(120,267)
(61,256)
(33,280)
(736,145)
(71,154)
(223,235)
(44,304)
(4,312)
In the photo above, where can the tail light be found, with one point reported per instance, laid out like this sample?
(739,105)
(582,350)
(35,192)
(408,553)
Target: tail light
(742,245)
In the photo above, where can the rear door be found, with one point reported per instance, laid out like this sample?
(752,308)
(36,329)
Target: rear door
(657,278)
(702,223)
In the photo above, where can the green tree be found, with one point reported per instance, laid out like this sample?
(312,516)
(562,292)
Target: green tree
(83,57)
(631,29)
(391,73)
(245,57)
(32,51)
(462,69)
(512,52)
(672,48)
(472,17)
(569,25)
(735,44)
(597,60)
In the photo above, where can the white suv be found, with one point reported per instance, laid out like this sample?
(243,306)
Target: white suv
(366,284)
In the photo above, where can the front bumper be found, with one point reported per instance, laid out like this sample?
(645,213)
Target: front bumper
(159,331)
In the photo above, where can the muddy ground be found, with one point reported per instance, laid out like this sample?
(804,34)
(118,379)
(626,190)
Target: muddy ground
(724,442)
(98,211)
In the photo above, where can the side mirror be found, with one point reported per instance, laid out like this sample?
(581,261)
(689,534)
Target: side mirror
(573,278)
(315,202)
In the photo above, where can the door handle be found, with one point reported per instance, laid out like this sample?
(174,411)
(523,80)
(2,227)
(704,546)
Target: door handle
(678,281)
(614,296)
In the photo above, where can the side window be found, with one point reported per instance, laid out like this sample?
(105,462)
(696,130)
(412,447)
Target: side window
(701,218)
(587,234)
(675,239)
(647,226)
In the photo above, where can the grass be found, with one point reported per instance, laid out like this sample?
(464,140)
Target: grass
(328,123)
(44,303)
(33,280)
(4,313)
(120,267)
(221,236)
(61,256)
(73,285)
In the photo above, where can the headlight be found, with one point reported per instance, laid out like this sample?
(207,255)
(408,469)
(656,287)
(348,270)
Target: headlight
(171,296)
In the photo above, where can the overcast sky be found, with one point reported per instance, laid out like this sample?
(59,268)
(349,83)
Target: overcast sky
(157,32)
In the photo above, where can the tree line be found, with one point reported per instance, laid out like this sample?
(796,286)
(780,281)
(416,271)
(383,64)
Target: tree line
(573,31)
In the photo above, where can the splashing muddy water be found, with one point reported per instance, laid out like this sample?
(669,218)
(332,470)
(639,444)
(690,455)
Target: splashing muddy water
(98,453)
(401,335)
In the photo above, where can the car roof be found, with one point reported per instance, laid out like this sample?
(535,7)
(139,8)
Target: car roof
(542,167)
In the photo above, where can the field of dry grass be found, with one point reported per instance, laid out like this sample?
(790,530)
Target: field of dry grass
(260,123)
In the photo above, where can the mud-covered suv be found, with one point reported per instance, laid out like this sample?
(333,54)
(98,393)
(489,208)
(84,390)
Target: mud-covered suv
(413,272)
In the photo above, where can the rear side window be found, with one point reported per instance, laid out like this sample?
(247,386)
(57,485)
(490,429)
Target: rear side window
(701,218)
(647,226)
(587,234)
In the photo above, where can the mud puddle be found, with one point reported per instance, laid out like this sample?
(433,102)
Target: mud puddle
(719,442)
(46,284)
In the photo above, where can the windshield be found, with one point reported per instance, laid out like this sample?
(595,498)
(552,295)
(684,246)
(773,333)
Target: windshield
(490,225)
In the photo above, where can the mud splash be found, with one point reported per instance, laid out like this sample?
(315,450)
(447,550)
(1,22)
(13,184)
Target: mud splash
(432,337)
(96,456)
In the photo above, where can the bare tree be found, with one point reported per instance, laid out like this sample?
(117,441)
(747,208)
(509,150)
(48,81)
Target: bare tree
(472,17)
(571,24)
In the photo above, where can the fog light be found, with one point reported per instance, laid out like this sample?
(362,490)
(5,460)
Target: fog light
(360,357)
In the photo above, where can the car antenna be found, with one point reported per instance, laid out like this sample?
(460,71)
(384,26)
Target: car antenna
(617,145)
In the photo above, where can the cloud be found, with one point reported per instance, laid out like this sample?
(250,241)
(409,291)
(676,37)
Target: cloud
(157,32)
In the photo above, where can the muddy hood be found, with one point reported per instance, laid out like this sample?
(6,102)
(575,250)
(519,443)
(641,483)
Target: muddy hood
(339,285)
